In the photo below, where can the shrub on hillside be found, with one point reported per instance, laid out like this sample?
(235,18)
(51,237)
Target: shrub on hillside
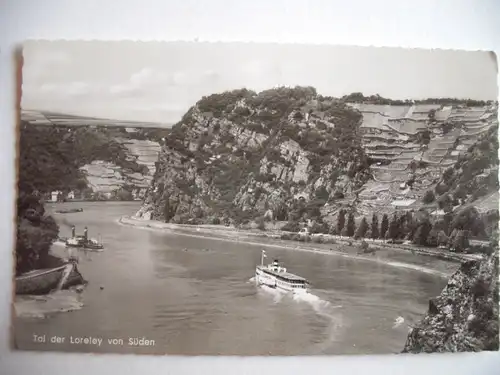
(320,227)
(261,225)
(364,246)
(445,202)
(362,229)
(442,238)
(291,226)
(34,238)
(468,218)
(428,197)
(432,238)
(317,239)
(441,188)
(459,240)
(351,226)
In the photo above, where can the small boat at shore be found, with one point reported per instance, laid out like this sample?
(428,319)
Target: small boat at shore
(83,243)
(275,276)
(69,211)
(44,281)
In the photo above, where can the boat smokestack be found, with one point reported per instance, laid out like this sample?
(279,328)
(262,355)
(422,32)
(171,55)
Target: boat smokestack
(73,231)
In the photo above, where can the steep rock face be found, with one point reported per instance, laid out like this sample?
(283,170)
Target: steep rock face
(239,154)
(465,316)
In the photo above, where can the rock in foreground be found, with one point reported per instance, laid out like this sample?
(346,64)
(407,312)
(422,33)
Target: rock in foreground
(464,318)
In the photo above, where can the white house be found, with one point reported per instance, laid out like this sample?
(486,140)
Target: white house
(71,195)
(55,196)
(404,204)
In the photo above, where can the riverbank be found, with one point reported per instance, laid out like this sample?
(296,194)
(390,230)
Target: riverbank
(421,260)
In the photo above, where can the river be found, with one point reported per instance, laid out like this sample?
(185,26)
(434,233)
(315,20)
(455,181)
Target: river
(195,296)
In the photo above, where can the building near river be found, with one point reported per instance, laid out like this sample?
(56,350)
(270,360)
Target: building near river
(403,204)
(56,196)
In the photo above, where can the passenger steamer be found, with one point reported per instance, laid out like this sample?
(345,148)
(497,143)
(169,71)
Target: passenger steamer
(275,276)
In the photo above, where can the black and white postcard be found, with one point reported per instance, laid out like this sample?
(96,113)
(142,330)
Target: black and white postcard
(256,199)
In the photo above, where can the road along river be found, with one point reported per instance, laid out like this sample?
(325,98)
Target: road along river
(158,292)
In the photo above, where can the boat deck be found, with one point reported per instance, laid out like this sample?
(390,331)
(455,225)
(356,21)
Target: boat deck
(286,275)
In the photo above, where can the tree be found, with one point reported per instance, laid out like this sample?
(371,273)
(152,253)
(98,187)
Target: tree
(384,226)
(124,195)
(81,184)
(35,234)
(442,239)
(351,226)
(469,219)
(428,197)
(261,225)
(448,174)
(374,227)
(393,231)
(291,226)
(432,238)
(341,221)
(322,194)
(425,137)
(408,226)
(403,230)
(446,127)
(445,203)
(422,233)
(362,229)
(461,241)
(441,188)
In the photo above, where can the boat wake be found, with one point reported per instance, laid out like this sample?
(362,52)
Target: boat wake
(329,312)
(320,306)
(277,294)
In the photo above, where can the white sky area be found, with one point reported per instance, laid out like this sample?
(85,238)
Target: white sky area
(159,81)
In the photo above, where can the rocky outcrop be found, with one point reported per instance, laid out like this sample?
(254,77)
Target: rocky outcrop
(239,154)
(464,317)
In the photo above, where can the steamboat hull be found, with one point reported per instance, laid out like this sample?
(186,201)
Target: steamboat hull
(285,282)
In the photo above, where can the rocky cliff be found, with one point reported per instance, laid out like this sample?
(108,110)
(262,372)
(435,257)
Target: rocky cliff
(294,154)
(464,317)
(240,155)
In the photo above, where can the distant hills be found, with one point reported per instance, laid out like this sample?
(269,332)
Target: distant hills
(37,117)
(66,153)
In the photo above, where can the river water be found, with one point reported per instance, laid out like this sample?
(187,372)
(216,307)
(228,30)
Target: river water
(195,296)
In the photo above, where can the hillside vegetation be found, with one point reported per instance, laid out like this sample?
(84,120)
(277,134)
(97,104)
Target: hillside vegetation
(238,155)
(76,158)
(52,158)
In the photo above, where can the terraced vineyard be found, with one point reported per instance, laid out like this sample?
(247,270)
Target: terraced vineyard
(414,145)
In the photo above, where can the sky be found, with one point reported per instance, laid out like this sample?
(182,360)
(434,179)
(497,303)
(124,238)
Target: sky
(160,81)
